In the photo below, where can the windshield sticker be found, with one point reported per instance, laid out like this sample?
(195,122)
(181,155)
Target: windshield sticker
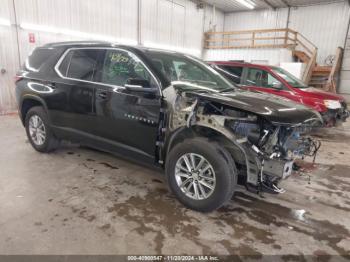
(119,58)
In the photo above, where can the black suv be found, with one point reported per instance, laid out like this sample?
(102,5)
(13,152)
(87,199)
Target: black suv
(166,109)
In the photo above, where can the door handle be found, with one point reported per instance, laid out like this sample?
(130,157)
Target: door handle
(102,95)
(52,85)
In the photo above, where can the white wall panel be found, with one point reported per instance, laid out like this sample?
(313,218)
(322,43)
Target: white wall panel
(261,56)
(263,19)
(117,19)
(213,20)
(8,58)
(344,86)
(172,23)
(324,25)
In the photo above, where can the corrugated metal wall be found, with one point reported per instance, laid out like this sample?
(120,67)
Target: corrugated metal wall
(263,19)
(162,22)
(8,57)
(345,70)
(260,56)
(325,25)
(172,23)
(213,19)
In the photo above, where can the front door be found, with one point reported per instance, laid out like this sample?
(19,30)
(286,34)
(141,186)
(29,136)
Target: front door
(127,118)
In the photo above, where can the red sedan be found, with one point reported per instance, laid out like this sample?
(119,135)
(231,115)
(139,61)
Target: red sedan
(275,80)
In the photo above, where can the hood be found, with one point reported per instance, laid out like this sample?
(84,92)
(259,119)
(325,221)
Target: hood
(273,108)
(322,95)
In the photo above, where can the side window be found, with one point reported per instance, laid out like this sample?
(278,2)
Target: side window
(261,78)
(65,63)
(38,58)
(233,73)
(119,66)
(80,64)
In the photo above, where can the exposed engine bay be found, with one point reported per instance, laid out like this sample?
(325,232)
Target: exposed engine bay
(264,152)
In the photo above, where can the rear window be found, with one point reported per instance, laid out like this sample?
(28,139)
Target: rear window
(80,64)
(37,58)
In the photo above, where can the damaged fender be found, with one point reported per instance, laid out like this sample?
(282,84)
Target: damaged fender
(268,149)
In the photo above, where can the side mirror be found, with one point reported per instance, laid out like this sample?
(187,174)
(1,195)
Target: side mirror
(140,85)
(277,85)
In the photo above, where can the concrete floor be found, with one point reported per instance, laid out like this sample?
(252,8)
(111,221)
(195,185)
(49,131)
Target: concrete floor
(79,201)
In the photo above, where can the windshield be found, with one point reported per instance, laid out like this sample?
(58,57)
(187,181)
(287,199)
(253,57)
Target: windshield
(292,80)
(188,71)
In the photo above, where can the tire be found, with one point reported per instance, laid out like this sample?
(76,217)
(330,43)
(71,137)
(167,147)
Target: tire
(220,162)
(41,144)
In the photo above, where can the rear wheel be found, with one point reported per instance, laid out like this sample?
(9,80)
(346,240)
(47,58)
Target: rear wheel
(38,130)
(201,174)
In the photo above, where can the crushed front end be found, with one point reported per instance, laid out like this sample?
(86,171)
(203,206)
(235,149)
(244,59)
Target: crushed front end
(264,151)
(271,150)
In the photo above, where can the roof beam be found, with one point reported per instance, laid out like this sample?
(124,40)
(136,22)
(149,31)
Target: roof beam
(285,2)
(270,5)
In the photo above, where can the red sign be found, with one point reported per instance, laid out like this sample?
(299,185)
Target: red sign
(31,38)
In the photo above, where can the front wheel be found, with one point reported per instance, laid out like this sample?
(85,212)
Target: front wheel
(201,174)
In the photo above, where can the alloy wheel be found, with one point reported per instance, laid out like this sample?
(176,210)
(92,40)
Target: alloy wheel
(37,130)
(195,176)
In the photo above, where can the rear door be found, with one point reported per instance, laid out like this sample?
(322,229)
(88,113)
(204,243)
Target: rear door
(71,106)
(129,120)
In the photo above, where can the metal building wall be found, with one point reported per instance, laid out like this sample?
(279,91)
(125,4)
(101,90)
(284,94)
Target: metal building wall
(325,25)
(168,23)
(110,18)
(344,87)
(262,19)
(259,56)
(9,62)
(214,19)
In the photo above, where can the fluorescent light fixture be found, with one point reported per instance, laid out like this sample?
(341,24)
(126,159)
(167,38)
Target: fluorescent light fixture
(73,33)
(247,3)
(195,52)
(5,22)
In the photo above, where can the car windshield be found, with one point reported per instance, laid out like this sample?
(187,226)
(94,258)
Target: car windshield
(189,72)
(292,80)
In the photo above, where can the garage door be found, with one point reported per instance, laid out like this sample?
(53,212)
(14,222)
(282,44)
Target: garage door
(8,58)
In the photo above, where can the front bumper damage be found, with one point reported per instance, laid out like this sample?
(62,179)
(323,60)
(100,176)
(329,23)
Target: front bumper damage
(334,117)
(265,156)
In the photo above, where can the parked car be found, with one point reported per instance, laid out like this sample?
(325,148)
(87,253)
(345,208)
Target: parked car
(165,109)
(277,81)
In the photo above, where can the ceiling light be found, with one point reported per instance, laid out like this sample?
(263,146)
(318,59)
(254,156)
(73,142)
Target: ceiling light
(5,22)
(247,3)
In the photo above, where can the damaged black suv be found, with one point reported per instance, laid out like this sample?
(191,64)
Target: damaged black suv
(166,109)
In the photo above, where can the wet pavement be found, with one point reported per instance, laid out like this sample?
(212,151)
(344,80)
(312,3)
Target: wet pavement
(80,201)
